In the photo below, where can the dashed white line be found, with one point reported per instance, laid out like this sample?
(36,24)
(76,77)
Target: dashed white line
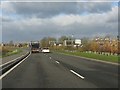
(50,57)
(57,62)
(13,67)
(77,74)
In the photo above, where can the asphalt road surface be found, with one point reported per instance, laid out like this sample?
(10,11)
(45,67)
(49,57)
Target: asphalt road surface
(53,70)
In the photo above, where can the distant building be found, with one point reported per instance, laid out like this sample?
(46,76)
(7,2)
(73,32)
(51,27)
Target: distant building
(58,44)
(78,41)
(2,44)
(68,42)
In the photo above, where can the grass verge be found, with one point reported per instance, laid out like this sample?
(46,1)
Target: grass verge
(7,51)
(11,53)
(110,58)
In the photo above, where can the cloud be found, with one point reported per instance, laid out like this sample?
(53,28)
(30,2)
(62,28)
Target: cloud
(111,16)
(50,9)
(7,7)
(33,28)
(94,7)
(5,19)
(43,9)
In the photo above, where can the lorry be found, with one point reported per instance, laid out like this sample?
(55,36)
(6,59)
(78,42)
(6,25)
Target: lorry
(35,46)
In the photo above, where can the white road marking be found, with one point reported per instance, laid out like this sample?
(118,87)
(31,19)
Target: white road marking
(91,59)
(11,61)
(5,67)
(77,74)
(13,67)
(57,62)
(50,57)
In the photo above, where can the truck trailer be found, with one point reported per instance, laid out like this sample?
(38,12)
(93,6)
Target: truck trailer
(35,47)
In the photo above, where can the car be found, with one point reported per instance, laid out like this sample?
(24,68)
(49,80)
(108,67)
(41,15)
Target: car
(45,50)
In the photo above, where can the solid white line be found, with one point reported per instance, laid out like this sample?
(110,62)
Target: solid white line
(13,67)
(77,74)
(91,59)
(57,62)
(12,60)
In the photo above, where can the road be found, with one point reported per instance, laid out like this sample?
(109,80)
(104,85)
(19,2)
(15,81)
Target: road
(53,70)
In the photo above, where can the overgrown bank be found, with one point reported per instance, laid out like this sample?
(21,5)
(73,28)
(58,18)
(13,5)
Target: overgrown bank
(7,51)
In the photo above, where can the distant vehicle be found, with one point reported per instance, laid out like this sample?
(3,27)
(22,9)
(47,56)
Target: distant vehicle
(35,46)
(46,50)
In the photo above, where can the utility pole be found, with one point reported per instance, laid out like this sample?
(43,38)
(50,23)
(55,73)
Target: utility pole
(118,41)
(72,39)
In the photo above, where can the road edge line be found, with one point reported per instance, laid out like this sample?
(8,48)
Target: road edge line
(2,76)
(13,60)
(97,60)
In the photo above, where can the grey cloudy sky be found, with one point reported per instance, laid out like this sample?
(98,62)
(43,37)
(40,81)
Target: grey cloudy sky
(26,21)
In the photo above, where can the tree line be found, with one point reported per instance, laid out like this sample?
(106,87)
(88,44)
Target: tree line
(101,45)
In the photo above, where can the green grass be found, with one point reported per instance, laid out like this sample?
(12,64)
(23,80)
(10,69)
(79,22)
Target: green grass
(16,51)
(110,58)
